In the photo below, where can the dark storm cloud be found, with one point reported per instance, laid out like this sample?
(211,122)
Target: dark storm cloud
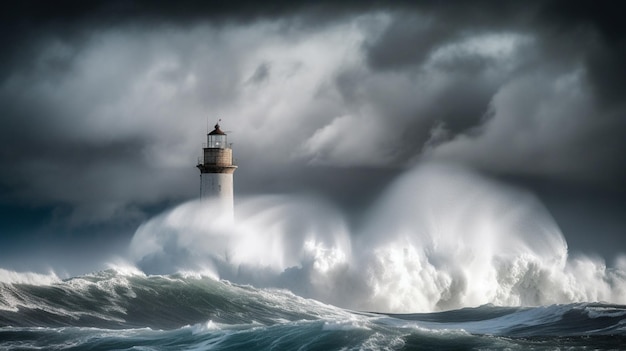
(564,45)
(407,41)
(105,103)
(604,61)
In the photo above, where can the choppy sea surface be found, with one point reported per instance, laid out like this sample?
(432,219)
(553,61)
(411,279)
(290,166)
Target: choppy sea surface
(445,259)
(115,310)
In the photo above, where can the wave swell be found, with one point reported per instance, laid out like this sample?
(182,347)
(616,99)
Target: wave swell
(115,310)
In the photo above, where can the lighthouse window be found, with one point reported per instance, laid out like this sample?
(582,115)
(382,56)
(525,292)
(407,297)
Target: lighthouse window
(217,141)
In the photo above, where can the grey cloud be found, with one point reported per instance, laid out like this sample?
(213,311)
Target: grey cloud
(122,123)
(544,125)
(562,45)
(392,112)
(407,41)
(102,133)
(110,99)
(604,51)
(260,74)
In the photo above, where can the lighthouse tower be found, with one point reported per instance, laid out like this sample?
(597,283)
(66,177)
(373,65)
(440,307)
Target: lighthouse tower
(216,171)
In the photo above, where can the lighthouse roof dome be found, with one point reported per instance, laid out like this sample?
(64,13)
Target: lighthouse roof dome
(217,131)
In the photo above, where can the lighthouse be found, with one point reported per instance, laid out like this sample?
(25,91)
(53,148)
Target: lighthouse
(216,171)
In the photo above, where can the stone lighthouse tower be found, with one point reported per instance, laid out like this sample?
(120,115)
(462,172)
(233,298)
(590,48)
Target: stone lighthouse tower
(216,171)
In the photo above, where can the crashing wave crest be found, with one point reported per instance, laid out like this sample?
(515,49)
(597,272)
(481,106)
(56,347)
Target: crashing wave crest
(440,238)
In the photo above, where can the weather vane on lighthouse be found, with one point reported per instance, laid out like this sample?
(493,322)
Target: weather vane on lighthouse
(216,170)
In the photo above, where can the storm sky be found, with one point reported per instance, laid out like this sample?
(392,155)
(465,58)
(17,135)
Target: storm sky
(105,106)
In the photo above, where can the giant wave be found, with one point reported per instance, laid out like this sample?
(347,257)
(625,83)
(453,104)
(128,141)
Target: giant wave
(445,259)
(440,238)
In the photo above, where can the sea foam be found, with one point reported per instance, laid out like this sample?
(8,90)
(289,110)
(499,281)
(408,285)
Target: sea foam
(13,277)
(439,238)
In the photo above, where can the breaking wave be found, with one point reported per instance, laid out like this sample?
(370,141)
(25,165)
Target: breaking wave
(440,238)
(445,259)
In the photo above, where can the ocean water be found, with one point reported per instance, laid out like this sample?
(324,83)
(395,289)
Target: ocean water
(445,259)
(112,310)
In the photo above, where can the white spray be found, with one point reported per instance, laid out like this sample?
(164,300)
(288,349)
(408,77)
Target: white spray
(440,238)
